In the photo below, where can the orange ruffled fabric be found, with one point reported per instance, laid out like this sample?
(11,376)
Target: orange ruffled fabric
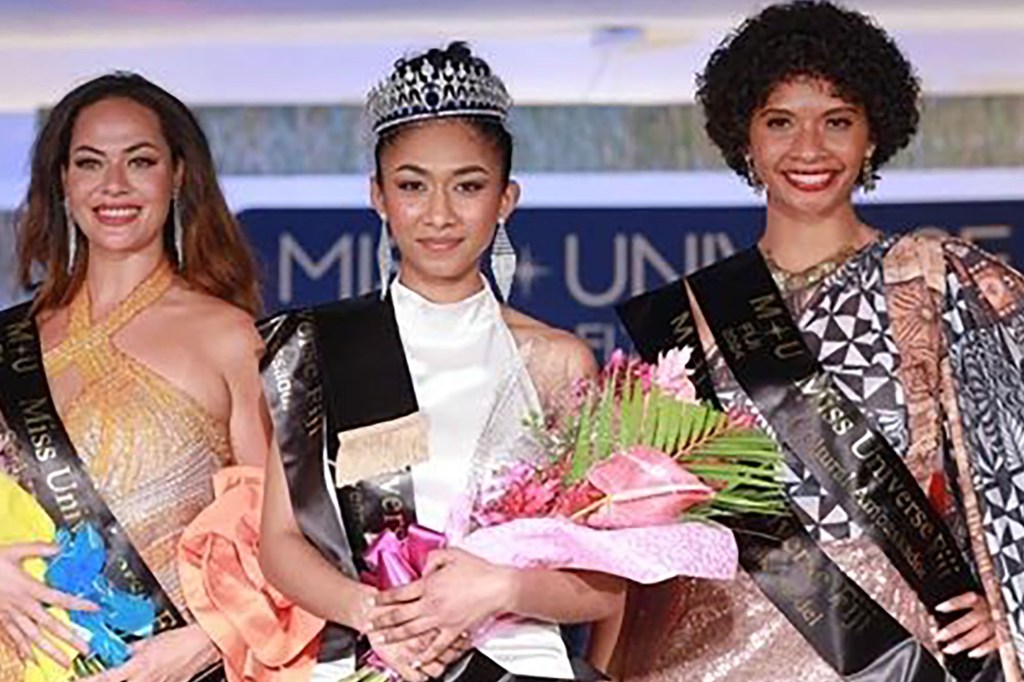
(262,636)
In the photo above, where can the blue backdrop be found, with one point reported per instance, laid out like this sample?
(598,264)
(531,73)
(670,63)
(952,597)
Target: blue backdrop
(575,263)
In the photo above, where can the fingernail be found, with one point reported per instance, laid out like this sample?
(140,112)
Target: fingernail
(976,653)
(941,635)
(952,649)
(943,607)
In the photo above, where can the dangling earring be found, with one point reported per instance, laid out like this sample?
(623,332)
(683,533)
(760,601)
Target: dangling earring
(69,223)
(503,261)
(867,175)
(384,259)
(179,230)
(752,177)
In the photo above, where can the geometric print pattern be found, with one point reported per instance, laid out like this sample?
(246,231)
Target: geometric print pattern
(986,357)
(846,327)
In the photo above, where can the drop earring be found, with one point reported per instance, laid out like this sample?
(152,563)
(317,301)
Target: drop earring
(503,261)
(69,224)
(385,261)
(752,177)
(867,175)
(179,230)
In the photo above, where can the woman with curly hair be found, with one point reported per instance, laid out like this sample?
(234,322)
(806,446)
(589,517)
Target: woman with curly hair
(888,367)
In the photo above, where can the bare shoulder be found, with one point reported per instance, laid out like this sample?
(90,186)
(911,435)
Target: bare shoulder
(219,328)
(560,345)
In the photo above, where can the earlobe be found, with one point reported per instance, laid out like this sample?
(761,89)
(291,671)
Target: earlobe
(509,200)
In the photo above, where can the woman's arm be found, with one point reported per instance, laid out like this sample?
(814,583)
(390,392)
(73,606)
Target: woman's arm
(297,568)
(564,596)
(249,427)
(303,575)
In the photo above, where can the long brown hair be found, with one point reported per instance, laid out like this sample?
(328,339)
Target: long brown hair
(217,258)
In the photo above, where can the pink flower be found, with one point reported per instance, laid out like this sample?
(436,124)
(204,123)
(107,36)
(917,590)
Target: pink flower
(645,373)
(623,369)
(528,492)
(644,487)
(672,376)
(616,362)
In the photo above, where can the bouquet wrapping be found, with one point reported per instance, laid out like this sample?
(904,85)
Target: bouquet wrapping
(626,479)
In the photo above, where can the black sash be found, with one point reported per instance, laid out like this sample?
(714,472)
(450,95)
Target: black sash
(767,354)
(50,469)
(328,370)
(361,379)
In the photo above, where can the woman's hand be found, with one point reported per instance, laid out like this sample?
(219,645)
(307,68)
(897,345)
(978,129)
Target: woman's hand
(974,632)
(172,656)
(23,602)
(456,594)
(406,657)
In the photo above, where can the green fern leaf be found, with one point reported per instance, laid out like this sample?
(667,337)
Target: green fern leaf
(580,463)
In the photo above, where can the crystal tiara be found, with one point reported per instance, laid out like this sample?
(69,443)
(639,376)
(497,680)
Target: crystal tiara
(419,89)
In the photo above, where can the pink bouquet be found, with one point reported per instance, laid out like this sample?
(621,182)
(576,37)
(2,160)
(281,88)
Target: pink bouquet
(627,481)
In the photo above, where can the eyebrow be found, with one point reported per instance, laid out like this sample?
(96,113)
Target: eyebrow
(128,150)
(465,170)
(845,109)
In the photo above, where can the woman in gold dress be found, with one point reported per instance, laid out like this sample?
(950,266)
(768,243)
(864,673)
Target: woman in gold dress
(144,315)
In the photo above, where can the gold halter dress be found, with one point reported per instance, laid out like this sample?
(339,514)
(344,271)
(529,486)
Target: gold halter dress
(149,447)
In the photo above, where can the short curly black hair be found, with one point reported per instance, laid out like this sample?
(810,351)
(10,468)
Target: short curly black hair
(808,38)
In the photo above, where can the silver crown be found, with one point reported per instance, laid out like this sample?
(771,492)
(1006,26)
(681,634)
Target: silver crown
(414,92)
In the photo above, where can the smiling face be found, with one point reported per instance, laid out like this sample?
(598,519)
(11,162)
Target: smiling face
(808,147)
(442,191)
(120,178)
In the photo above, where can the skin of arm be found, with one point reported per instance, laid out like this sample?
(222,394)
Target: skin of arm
(297,568)
(565,596)
(249,427)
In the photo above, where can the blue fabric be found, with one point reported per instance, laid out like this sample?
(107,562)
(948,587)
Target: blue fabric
(78,570)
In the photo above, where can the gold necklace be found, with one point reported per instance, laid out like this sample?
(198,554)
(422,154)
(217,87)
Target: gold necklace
(789,281)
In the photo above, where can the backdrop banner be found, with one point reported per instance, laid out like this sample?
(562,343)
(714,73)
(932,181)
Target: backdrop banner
(576,263)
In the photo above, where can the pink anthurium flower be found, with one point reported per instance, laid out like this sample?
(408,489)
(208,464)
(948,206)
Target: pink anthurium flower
(643,487)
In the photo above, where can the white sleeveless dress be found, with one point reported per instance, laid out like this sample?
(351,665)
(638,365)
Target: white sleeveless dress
(459,355)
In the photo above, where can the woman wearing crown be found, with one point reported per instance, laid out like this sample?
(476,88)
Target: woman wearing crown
(387,397)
